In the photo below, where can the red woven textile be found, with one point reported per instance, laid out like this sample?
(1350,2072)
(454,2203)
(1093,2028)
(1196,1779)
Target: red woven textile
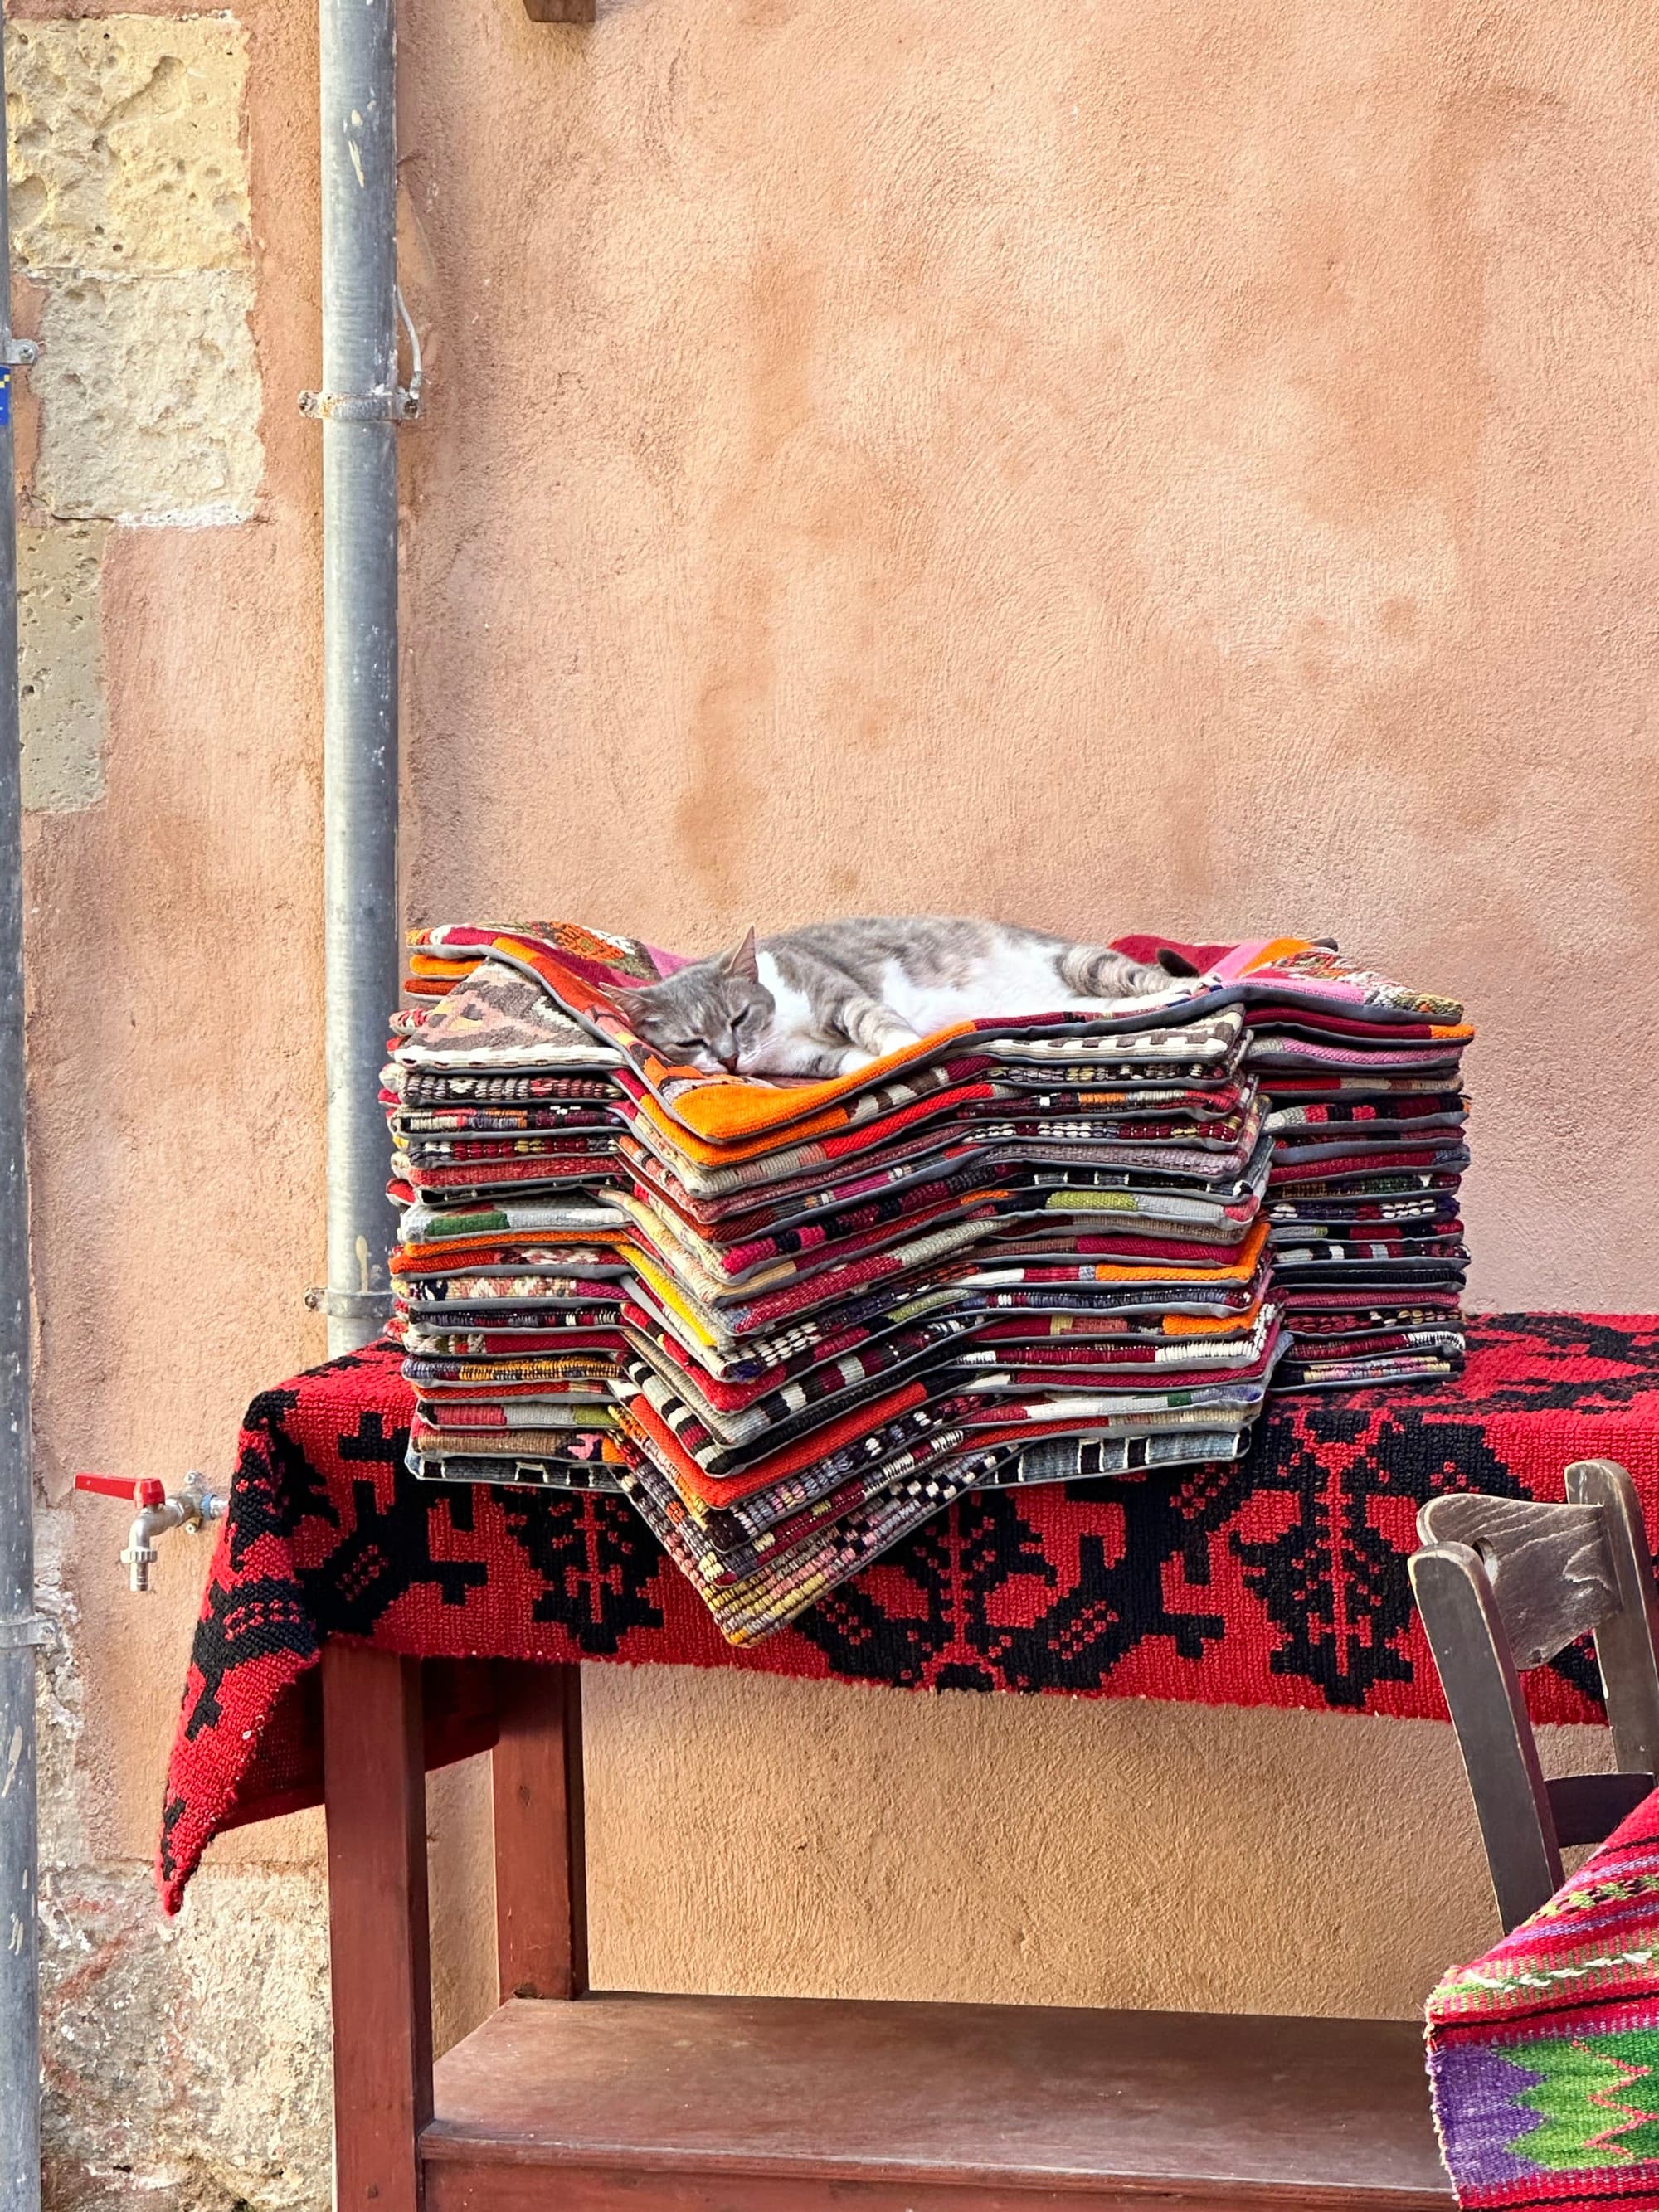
(1279,1579)
(1544,2054)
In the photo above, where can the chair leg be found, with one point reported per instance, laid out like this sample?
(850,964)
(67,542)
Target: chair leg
(541,1870)
(1500,1753)
(374,1791)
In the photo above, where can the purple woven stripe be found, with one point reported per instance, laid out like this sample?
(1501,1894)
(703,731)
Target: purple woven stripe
(1476,2110)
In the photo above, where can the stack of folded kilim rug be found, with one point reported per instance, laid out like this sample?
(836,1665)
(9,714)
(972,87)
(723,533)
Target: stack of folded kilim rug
(792,1321)
(1367,1119)
(508,1274)
(1362,1083)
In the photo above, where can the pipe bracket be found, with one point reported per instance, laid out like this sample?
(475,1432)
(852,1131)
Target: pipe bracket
(349,1305)
(399,406)
(27,1629)
(21,353)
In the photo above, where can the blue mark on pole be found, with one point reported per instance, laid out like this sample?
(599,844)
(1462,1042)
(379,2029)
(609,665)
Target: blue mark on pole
(5,397)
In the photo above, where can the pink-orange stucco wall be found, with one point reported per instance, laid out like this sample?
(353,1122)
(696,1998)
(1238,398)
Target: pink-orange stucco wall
(1106,466)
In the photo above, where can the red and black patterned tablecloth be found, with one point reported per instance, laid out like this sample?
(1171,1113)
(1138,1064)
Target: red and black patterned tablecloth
(1278,1579)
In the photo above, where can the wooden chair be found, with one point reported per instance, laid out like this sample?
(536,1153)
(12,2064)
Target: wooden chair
(1504,1584)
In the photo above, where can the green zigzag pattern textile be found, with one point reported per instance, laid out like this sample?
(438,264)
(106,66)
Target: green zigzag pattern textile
(1544,2054)
(1597,2102)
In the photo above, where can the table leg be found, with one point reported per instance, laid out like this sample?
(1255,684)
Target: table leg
(541,1868)
(374,1790)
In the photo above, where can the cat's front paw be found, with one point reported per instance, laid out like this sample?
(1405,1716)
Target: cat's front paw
(855,1060)
(1147,982)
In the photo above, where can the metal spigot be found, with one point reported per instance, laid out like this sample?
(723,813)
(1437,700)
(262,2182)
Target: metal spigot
(193,1507)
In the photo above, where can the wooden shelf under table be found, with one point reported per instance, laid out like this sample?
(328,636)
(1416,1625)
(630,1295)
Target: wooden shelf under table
(699,2101)
(566,2100)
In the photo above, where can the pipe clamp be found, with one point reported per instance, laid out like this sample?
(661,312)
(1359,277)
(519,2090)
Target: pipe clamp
(28,1628)
(351,1306)
(399,406)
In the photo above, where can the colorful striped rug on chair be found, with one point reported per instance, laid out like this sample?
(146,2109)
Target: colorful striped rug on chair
(1545,2053)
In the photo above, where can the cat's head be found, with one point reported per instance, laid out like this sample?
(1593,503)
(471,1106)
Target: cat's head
(713,1015)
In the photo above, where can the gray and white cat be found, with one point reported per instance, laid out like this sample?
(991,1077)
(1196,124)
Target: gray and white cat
(830,998)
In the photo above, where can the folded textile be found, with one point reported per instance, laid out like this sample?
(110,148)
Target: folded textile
(1367,1118)
(1542,2052)
(792,1320)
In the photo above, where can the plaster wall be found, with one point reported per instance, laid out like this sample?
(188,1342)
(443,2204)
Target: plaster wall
(1098,465)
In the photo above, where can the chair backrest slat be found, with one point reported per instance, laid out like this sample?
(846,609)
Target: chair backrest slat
(1588,1808)
(1548,1565)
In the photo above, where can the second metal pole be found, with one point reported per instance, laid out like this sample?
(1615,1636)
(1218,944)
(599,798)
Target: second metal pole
(20,2026)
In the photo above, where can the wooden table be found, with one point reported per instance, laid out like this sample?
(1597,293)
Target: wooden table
(591,2101)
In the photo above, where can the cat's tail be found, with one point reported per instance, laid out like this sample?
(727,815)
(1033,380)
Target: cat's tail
(1095,971)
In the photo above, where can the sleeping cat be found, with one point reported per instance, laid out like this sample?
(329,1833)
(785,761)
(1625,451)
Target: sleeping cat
(830,998)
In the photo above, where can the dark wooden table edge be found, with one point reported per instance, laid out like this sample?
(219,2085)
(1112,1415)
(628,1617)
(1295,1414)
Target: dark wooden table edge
(453,2164)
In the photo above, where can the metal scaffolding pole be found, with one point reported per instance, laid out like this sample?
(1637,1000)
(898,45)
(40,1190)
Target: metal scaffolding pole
(20,2027)
(360,406)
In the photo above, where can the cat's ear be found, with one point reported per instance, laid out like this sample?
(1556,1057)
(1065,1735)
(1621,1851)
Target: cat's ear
(743,959)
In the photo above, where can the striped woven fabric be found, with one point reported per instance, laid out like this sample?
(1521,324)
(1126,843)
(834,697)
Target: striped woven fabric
(1545,2053)
(1053,1233)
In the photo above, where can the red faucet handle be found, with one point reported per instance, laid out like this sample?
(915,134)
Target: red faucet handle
(146,1491)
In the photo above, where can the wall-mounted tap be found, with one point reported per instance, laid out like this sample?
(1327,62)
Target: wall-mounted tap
(193,1507)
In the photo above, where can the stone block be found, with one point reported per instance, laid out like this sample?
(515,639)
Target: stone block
(186,2064)
(130,206)
(126,142)
(149,398)
(60,672)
